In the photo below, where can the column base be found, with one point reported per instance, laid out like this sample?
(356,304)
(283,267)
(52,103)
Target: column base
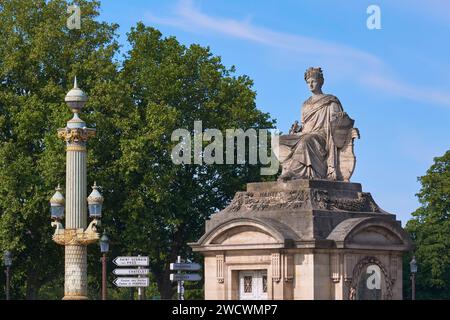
(75,298)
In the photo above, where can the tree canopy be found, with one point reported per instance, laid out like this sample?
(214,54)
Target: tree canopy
(430,231)
(152,207)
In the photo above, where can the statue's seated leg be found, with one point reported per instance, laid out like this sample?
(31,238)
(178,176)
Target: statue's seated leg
(308,159)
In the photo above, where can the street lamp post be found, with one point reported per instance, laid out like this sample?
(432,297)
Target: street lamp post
(75,236)
(104,249)
(7,260)
(413,269)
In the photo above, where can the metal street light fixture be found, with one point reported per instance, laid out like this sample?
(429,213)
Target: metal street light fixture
(7,260)
(413,269)
(57,205)
(104,249)
(95,203)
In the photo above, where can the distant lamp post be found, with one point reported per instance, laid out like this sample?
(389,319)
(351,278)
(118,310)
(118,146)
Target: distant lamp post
(413,269)
(104,243)
(104,249)
(7,260)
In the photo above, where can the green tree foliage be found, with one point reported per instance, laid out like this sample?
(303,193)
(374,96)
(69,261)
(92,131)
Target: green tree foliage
(39,58)
(152,207)
(430,230)
(165,205)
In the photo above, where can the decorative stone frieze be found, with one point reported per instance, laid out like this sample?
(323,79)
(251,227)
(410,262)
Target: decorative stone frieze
(301,199)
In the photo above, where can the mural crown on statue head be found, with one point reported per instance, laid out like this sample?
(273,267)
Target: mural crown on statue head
(314,73)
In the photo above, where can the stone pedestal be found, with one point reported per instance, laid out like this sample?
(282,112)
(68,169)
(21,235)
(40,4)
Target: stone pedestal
(316,239)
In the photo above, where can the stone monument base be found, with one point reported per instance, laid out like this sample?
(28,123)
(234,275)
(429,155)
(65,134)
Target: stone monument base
(303,239)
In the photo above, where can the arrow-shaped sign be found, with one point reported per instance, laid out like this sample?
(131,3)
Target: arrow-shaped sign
(131,282)
(185,266)
(185,277)
(131,261)
(130,272)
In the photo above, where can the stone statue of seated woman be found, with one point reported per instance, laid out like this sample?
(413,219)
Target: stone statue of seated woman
(322,146)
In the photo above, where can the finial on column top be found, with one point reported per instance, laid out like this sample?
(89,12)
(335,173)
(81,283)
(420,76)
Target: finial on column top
(76,98)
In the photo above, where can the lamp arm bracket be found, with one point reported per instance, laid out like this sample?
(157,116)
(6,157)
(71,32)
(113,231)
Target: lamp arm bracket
(78,236)
(59,228)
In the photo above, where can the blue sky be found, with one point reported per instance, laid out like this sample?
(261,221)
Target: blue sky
(395,82)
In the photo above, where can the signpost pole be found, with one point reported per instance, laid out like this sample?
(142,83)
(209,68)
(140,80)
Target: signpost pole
(180,277)
(139,289)
(180,288)
(104,288)
(131,293)
(7,282)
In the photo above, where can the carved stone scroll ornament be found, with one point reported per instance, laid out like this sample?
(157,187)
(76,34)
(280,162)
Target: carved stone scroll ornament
(363,203)
(220,268)
(276,267)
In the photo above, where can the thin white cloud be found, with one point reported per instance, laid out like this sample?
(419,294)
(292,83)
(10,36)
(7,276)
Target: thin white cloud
(409,91)
(355,64)
(189,18)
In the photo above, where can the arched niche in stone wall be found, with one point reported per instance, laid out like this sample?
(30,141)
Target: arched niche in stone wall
(255,232)
(244,234)
(370,233)
(370,281)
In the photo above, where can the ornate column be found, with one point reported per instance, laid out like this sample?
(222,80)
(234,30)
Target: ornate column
(74,237)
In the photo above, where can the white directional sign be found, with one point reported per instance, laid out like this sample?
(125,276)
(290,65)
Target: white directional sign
(185,277)
(185,266)
(131,282)
(131,261)
(130,272)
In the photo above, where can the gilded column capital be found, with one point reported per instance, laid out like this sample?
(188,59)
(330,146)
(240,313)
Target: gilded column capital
(71,135)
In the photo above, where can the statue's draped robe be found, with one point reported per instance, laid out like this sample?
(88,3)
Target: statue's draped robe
(313,153)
